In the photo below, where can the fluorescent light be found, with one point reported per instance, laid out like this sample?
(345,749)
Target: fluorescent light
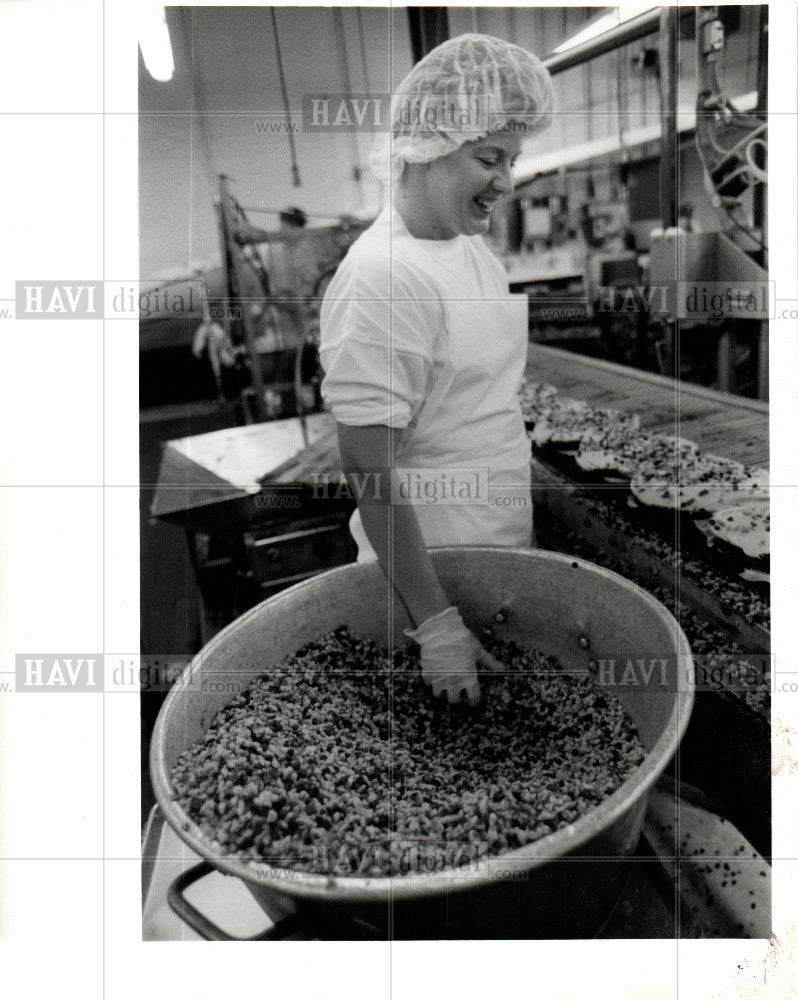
(156,48)
(604,23)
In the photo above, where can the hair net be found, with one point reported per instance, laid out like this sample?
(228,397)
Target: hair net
(459,92)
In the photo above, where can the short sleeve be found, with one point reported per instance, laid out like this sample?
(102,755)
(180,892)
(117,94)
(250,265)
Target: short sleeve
(378,329)
(369,383)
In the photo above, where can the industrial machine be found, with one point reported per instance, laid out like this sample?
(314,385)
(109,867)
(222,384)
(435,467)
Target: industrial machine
(278,330)
(247,330)
(608,248)
(732,145)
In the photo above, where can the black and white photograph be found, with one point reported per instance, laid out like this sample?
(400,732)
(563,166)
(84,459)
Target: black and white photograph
(450,269)
(413,391)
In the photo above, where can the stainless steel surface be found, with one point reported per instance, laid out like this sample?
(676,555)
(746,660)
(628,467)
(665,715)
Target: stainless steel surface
(230,463)
(562,885)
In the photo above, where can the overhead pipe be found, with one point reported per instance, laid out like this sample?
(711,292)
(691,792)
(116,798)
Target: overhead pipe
(630,31)
(663,21)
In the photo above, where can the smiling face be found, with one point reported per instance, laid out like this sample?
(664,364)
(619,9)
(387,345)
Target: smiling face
(456,194)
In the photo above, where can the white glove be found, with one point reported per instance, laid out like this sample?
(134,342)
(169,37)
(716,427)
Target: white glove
(449,655)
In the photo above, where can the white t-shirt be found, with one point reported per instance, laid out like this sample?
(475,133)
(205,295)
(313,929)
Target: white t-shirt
(423,335)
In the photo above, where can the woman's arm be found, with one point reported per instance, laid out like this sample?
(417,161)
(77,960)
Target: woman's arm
(367,457)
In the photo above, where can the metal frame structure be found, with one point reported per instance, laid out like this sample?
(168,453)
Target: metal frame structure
(237,233)
(740,265)
(663,21)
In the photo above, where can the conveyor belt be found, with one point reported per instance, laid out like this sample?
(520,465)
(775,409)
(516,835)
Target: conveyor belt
(727,425)
(732,426)
(569,504)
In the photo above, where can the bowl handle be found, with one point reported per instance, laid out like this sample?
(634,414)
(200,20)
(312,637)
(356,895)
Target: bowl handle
(206,928)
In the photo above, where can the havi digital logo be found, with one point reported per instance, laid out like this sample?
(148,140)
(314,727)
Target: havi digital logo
(59,299)
(59,672)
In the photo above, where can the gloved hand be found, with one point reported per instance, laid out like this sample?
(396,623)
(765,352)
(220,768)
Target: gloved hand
(449,655)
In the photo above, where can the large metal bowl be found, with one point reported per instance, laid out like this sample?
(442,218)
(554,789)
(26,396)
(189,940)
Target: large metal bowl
(564,884)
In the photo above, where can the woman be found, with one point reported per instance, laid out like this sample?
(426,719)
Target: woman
(424,349)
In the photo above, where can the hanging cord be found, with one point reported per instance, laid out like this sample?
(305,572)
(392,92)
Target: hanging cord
(512,27)
(286,108)
(340,36)
(197,93)
(620,97)
(363,59)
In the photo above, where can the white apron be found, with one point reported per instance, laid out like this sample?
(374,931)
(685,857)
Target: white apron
(465,462)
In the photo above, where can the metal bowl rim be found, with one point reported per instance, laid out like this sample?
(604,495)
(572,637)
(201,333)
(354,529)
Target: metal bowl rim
(353,889)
